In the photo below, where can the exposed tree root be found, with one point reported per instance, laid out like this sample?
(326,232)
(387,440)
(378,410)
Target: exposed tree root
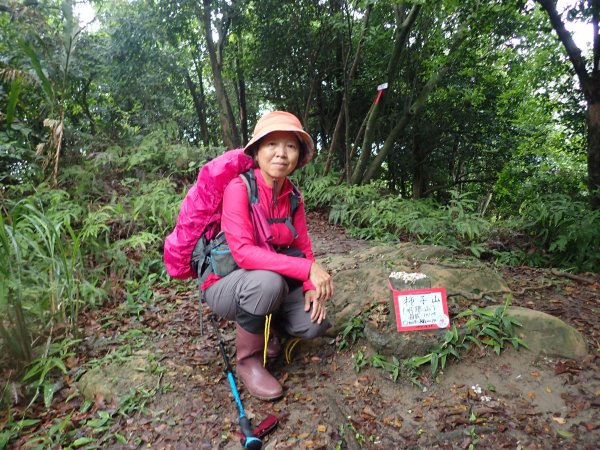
(559,273)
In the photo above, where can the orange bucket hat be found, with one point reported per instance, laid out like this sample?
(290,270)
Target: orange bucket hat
(282,121)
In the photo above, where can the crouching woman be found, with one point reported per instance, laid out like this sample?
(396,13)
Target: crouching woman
(279,285)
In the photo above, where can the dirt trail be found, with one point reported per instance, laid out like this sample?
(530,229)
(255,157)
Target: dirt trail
(489,402)
(484,401)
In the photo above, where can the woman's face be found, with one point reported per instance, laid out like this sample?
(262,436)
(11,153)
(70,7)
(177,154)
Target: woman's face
(277,155)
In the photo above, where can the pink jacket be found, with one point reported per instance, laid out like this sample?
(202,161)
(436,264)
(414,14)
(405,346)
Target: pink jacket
(237,225)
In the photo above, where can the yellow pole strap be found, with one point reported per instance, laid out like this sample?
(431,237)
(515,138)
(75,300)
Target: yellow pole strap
(289,348)
(267,332)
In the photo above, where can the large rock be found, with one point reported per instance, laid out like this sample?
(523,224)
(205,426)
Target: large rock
(471,282)
(389,342)
(355,290)
(361,279)
(542,333)
(361,282)
(547,335)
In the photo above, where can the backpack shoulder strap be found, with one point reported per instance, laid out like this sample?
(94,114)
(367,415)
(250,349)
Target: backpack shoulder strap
(250,180)
(294,203)
(295,198)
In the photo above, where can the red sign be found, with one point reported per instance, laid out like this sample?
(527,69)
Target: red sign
(421,309)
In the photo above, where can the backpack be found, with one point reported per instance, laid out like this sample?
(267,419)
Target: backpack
(199,219)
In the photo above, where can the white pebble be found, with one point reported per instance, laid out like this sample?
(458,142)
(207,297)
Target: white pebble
(408,278)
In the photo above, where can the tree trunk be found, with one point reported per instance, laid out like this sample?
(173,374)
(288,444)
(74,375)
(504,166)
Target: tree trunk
(351,149)
(348,80)
(418,175)
(86,106)
(411,111)
(593,153)
(590,86)
(241,90)
(201,98)
(196,99)
(392,73)
(231,136)
(314,84)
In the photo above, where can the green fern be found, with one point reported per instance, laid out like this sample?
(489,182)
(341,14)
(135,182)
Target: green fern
(564,232)
(97,222)
(140,241)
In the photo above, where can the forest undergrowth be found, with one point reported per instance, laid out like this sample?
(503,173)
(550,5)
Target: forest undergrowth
(96,238)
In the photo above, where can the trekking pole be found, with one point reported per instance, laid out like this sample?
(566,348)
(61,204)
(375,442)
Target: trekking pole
(250,438)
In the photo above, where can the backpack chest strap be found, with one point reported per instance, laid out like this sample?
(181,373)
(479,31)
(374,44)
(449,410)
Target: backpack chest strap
(288,223)
(252,187)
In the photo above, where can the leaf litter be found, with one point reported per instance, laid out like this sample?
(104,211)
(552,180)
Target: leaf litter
(528,403)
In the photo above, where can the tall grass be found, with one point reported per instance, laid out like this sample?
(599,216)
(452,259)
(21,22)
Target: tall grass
(41,267)
(13,327)
(370,212)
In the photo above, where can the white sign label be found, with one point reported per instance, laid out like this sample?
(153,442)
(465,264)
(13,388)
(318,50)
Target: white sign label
(421,309)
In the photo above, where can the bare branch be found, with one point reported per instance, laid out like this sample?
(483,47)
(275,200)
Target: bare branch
(458,182)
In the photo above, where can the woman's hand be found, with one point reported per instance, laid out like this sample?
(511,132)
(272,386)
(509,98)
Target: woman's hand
(322,281)
(319,310)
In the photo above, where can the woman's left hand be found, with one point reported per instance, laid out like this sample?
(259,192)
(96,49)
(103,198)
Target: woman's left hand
(319,310)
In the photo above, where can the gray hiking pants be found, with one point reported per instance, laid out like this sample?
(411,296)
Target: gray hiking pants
(262,292)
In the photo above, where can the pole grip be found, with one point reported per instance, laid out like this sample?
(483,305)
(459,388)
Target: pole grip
(249,441)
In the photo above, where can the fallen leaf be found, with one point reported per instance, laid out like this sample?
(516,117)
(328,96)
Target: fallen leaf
(428,401)
(368,411)
(564,434)
(72,362)
(322,428)
(560,420)
(590,426)
(393,421)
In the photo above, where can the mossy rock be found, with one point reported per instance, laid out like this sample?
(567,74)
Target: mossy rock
(468,282)
(365,282)
(114,381)
(545,334)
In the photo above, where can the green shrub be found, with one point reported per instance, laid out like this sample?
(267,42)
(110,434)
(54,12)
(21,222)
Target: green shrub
(370,212)
(564,232)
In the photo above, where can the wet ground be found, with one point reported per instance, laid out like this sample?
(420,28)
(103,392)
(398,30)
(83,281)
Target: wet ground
(484,401)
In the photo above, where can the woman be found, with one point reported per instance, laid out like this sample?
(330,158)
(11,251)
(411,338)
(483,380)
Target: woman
(292,289)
